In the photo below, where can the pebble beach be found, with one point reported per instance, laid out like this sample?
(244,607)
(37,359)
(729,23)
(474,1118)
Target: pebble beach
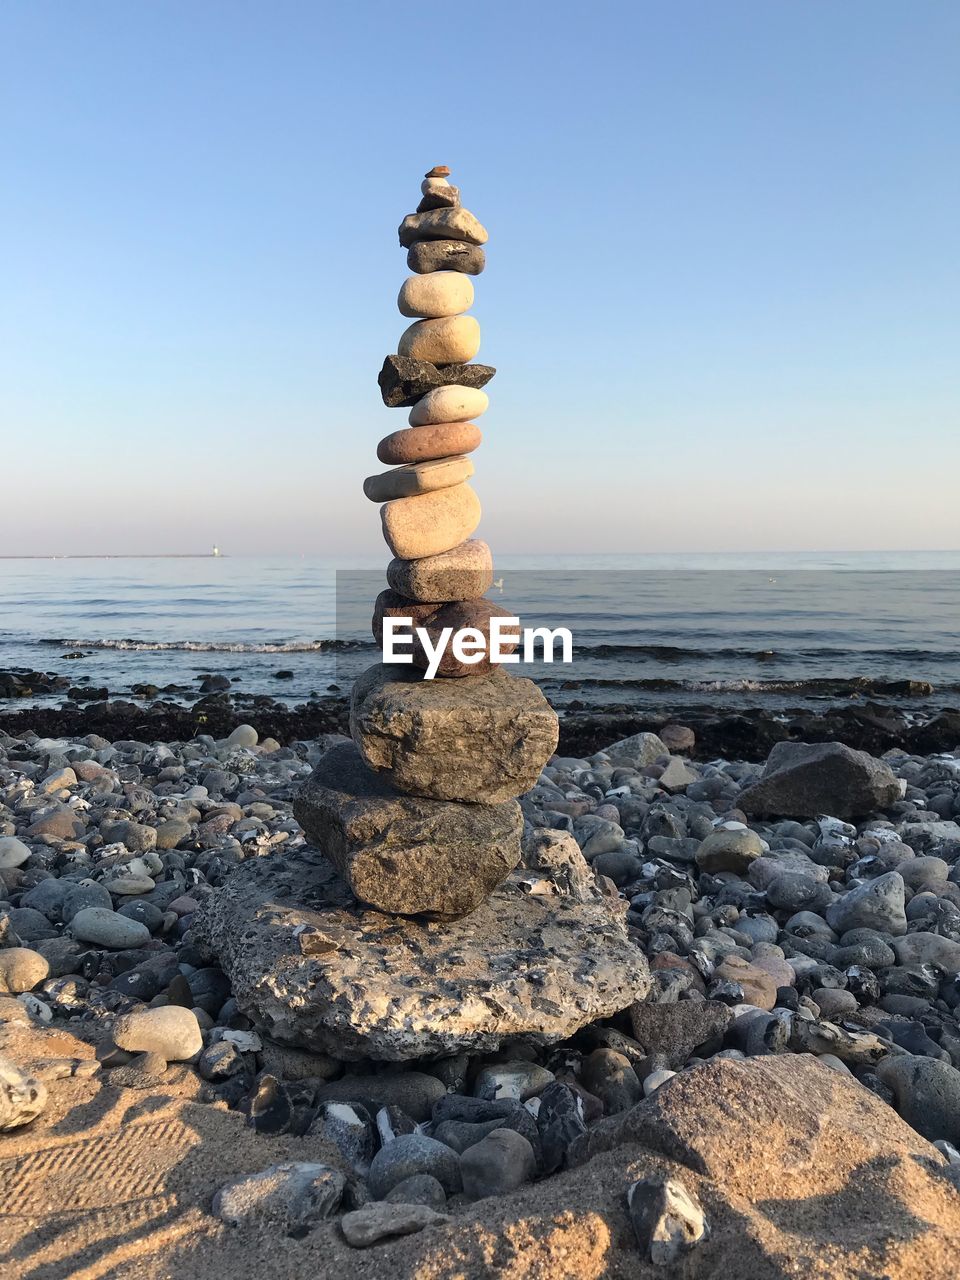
(795,974)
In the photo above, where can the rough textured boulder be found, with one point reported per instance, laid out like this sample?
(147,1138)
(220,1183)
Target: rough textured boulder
(483,740)
(404,381)
(316,969)
(803,780)
(401,853)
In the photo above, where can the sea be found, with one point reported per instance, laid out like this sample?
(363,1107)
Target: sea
(771,630)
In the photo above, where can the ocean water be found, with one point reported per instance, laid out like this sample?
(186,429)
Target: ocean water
(751,630)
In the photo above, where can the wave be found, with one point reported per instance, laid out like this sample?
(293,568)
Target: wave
(838,687)
(134,645)
(677,653)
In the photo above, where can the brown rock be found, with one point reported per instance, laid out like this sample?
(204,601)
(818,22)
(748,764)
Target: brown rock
(438,171)
(400,853)
(418,477)
(446,255)
(677,738)
(422,444)
(391,604)
(458,615)
(483,740)
(462,573)
(759,988)
(430,523)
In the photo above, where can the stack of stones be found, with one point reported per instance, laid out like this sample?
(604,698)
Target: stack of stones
(419,813)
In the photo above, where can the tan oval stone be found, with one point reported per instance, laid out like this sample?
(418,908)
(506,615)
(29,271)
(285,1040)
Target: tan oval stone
(418,477)
(448,404)
(430,523)
(441,293)
(462,573)
(447,340)
(422,444)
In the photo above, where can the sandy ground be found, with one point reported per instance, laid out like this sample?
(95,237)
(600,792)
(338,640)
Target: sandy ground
(115,1183)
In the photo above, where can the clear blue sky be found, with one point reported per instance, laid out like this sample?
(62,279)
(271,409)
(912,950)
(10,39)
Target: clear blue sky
(722,289)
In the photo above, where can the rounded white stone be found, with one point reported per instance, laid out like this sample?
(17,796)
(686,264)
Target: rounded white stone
(244,735)
(13,852)
(448,404)
(438,293)
(170,1030)
(433,184)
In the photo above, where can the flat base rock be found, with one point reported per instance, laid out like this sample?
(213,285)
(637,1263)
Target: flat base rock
(482,739)
(316,969)
(401,853)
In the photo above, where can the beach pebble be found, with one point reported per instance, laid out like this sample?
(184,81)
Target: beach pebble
(58,780)
(441,293)
(421,1188)
(169,1030)
(609,1076)
(410,1154)
(442,224)
(667,1218)
(418,477)
(61,822)
(350,1128)
(560,1119)
(449,404)
(244,735)
(22,1096)
(106,928)
(655,1079)
(729,849)
(21,970)
(876,904)
(292,1197)
(759,987)
(424,444)
(364,1227)
(447,340)
(465,572)
(445,255)
(430,523)
(497,1164)
(13,852)
(926,1093)
(511,1080)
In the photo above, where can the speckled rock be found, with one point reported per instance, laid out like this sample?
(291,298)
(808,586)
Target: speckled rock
(314,968)
(483,740)
(402,853)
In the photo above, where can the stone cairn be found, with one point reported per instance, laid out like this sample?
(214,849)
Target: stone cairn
(409,930)
(455,751)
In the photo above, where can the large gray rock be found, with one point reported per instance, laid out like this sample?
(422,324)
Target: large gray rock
(483,739)
(876,904)
(805,779)
(317,970)
(401,853)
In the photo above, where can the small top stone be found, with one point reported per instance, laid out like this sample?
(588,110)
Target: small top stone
(438,171)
